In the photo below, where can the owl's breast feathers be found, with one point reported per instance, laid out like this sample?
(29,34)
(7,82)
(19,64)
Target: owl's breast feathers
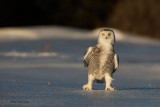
(99,61)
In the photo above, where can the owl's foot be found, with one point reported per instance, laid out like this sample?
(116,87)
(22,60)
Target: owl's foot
(110,89)
(87,87)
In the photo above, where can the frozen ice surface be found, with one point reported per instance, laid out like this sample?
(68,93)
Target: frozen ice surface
(33,75)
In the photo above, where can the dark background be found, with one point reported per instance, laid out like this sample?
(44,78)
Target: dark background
(137,16)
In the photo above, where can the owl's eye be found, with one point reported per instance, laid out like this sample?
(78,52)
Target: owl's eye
(109,34)
(103,34)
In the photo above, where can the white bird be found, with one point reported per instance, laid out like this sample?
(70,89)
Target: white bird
(101,60)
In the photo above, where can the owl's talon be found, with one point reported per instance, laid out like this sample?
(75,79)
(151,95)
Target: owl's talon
(86,87)
(110,89)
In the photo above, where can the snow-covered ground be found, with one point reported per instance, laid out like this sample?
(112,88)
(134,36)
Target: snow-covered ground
(42,66)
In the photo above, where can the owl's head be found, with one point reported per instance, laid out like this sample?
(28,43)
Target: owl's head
(106,36)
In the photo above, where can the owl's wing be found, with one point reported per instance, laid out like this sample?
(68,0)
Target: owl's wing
(116,62)
(87,56)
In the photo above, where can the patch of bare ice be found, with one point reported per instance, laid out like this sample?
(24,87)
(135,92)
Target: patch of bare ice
(32,54)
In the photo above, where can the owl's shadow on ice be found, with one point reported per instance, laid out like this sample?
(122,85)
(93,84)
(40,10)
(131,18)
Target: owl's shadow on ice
(98,86)
(140,88)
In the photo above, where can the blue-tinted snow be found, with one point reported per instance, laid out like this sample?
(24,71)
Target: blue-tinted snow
(56,81)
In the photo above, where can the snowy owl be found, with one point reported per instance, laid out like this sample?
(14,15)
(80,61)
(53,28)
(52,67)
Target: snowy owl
(101,60)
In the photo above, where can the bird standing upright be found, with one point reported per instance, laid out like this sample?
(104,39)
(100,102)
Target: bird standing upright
(101,60)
